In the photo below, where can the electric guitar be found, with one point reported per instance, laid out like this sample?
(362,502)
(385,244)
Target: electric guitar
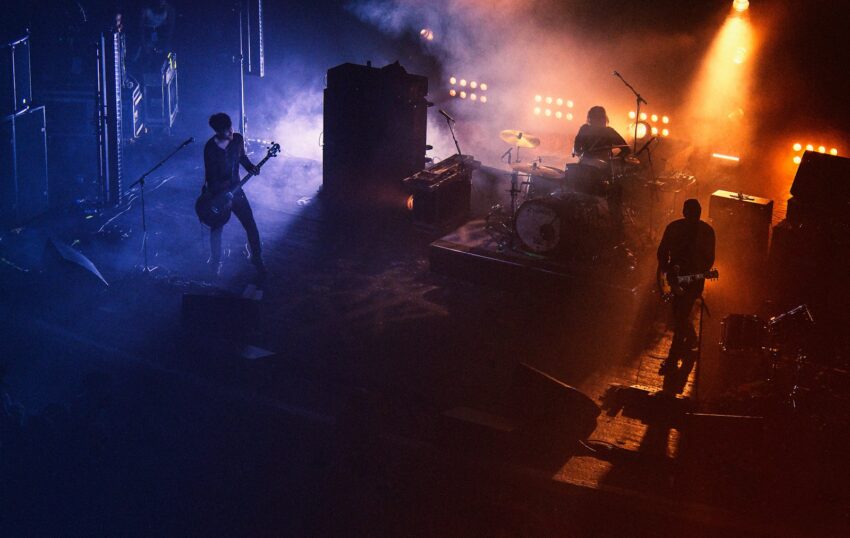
(214,210)
(671,283)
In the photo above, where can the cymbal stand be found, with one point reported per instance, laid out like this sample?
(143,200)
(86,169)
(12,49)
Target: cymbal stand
(639,100)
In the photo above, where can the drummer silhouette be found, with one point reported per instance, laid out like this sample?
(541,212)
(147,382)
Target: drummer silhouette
(596,144)
(595,139)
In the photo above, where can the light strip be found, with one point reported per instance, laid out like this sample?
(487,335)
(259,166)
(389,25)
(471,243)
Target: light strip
(726,157)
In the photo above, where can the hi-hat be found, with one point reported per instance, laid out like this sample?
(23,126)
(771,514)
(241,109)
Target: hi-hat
(536,170)
(519,138)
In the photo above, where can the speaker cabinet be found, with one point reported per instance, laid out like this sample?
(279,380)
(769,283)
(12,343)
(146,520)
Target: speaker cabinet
(823,182)
(23,167)
(374,128)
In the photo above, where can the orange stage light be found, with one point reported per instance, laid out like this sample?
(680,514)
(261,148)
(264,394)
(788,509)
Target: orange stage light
(452,80)
(483,87)
(798,146)
(483,99)
(797,159)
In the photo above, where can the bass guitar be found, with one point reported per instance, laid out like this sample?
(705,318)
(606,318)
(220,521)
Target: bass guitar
(671,283)
(214,210)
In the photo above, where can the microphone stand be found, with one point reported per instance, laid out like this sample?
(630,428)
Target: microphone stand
(141,183)
(637,109)
(459,153)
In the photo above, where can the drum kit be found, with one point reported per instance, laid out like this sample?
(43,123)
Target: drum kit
(560,212)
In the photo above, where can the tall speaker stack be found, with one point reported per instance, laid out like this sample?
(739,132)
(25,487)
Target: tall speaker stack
(23,148)
(810,252)
(374,131)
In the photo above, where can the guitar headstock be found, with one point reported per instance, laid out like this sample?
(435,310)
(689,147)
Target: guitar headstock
(712,275)
(274,149)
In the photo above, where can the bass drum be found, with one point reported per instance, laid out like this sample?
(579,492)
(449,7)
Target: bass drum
(570,224)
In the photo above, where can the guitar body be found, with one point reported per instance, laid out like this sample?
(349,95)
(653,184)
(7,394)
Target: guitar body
(214,210)
(673,284)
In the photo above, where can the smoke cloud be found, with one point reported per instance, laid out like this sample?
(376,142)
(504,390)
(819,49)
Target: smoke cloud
(525,48)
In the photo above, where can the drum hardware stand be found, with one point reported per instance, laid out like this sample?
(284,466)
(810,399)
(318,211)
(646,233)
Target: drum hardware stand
(141,183)
(653,195)
(507,154)
(637,108)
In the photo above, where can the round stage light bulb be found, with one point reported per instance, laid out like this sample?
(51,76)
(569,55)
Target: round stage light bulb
(473,84)
(810,147)
(452,80)
(538,98)
(665,132)
(452,92)
(641,130)
(798,146)
(797,159)
(632,115)
(427,33)
(559,101)
(483,99)
(537,110)
(654,117)
(833,151)
(740,5)
(569,104)
(643,116)
(548,100)
(473,96)
(559,114)
(463,82)
(821,149)
(483,87)
(654,131)
(665,119)
(548,112)
(569,116)
(463,95)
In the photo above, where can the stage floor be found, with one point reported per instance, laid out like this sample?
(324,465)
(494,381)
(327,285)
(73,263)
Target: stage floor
(369,344)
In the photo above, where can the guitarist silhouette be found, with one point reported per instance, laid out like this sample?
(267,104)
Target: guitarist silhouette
(687,247)
(223,154)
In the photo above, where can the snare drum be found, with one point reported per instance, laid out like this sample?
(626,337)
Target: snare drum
(742,332)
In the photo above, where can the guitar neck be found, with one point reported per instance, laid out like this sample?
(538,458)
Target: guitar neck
(687,279)
(249,175)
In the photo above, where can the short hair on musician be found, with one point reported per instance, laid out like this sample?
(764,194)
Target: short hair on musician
(597,114)
(220,122)
(691,209)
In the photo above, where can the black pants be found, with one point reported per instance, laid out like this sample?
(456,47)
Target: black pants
(243,212)
(684,335)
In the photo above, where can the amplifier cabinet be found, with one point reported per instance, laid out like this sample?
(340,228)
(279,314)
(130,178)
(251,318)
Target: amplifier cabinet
(742,224)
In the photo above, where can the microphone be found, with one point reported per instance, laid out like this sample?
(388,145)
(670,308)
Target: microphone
(187,142)
(445,115)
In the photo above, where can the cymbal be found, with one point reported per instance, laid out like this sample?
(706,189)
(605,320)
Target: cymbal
(534,169)
(519,138)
